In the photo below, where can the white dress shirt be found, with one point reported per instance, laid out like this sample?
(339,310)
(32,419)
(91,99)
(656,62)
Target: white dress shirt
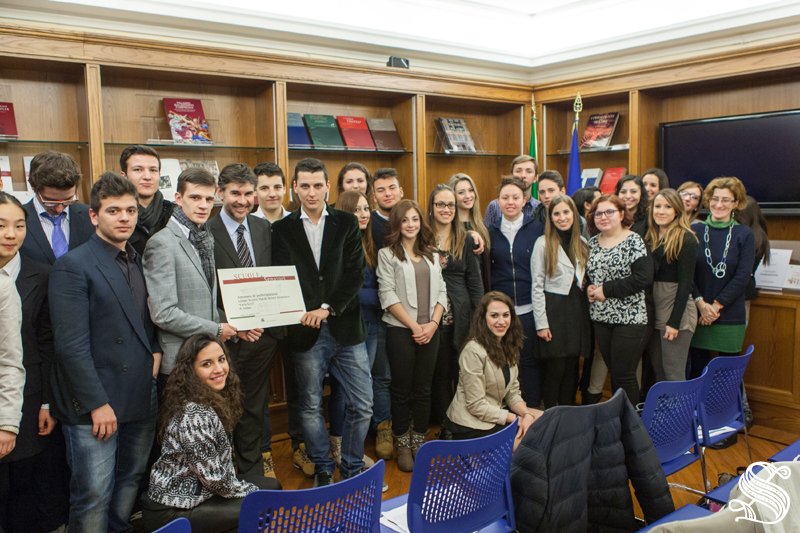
(12,268)
(510,230)
(47,226)
(260,214)
(232,227)
(314,232)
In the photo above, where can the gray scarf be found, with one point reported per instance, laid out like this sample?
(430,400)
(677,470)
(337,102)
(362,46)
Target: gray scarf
(203,242)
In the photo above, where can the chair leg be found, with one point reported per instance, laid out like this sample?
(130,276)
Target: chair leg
(747,439)
(706,484)
(685,488)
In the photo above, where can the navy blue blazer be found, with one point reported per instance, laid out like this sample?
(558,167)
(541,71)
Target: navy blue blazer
(103,348)
(37,247)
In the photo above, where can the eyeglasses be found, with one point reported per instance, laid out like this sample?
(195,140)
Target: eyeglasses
(689,195)
(723,201)
(442,205)
(66,203)
(605,214)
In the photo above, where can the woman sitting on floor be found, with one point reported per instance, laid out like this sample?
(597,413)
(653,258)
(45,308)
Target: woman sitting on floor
(489,369)
(195,478)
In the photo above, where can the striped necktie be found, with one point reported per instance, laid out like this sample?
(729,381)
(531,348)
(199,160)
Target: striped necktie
(241,248)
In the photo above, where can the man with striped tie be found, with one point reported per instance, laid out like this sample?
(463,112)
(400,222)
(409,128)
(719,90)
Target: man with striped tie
(242,240)
(57,223)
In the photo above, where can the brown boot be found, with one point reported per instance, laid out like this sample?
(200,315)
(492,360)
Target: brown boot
(383,441)
(405,460)
(417,440)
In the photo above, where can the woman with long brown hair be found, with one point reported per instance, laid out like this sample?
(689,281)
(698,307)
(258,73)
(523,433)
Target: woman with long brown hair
(558,264)
(488,396)
(469,214)
(674,247)
(413,294)
(195,477)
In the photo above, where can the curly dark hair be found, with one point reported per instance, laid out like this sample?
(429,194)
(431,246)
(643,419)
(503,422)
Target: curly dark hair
(423,244)
(502,351)
(183,386)
(644,204)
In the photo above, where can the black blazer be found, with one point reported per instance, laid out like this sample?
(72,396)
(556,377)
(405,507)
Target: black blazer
(37,355)
(141,233)
(103,348)
(464,289)
(37,247)
(336,282)
(225,255)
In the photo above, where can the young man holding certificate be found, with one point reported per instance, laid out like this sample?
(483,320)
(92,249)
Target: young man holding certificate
(240,241)
(324,245)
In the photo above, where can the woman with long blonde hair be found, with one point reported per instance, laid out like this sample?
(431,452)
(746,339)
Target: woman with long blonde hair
(469,214)
(674,246)
(560,309)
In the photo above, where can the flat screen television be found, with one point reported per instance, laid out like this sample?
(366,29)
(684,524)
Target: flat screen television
(762,150)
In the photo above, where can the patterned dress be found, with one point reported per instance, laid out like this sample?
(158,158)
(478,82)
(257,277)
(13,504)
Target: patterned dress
(615,263)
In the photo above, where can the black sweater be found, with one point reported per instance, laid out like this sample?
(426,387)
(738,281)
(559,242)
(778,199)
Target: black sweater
(680,271)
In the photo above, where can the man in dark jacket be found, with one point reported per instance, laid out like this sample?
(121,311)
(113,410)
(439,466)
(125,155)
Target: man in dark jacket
(570,474)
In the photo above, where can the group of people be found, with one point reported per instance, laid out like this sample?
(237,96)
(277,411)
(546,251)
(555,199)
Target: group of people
(114,332)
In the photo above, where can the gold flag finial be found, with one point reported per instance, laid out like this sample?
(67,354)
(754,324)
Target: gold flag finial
(533,107)
(577,106)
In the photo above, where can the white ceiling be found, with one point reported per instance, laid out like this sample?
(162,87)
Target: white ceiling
(527,40)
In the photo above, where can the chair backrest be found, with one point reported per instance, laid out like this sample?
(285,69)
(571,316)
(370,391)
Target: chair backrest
(669,416)
(179,525)
(353,505)
(462,485)
(721,395)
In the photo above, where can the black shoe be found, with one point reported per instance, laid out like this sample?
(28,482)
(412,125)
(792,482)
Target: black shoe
(323,479)
(590,398)
(727,442)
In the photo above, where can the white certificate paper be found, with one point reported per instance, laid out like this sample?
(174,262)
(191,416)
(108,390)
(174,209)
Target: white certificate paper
(261,297)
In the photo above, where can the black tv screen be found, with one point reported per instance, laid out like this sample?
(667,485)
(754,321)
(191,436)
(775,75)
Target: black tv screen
(762,150)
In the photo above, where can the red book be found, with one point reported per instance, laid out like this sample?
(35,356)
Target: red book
(8,124)
(355,133)
(612,175)
(187,122)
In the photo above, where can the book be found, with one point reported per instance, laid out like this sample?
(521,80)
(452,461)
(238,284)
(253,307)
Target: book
(187,122)
(356,133)
(8,124)
(5,174)
(385,135)
(599,131)
(211,166)
(298,136)
(792,277)
(168,181)
(772,275)
(610,178)
(591,176)
(324,132)
(457,135)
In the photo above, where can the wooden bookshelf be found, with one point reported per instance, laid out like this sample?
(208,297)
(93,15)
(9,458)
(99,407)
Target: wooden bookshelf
(50,104)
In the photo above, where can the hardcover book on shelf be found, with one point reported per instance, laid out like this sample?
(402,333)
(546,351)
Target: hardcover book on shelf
(599,131)
(168,181)
(610,179)
(187,122)
(356,133)
(591,176)
(324,132)
(298,136)
(457,134)
(8,124)
(5,174)
(385,135)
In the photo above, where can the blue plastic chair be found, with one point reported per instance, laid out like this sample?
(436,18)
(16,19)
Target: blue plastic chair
(179,525)
(669,416)
(722,494)
(687,512)
(353,505)
(461,486)
(721,400)
(790,453)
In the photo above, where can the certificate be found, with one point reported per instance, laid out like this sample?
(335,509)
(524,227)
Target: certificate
(261,297)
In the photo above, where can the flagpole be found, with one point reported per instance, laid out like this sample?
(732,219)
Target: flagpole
(532,148)
(574,167)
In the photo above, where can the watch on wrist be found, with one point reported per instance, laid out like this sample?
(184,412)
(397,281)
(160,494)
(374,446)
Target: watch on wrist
(220,329)
(327,308)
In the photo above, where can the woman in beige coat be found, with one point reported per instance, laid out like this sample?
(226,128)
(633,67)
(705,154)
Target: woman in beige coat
(488,397)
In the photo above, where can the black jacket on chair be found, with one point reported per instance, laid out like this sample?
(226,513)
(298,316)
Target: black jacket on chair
(571,471)
(37,247)
(337,280)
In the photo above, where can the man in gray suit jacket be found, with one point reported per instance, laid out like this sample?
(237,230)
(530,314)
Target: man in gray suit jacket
(242,240)
(180,271)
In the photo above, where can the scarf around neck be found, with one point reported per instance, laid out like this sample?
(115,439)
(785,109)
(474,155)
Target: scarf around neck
(149,215)
(203,242)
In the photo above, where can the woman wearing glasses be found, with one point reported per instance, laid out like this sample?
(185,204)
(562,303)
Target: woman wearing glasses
(691,194)
(462,278)
(724,264)
(619,270)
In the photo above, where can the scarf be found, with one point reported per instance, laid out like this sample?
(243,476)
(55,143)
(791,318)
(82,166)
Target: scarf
(149,215)
(203,242)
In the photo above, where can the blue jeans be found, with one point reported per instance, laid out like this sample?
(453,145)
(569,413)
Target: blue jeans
(381,380)
(350,366)
(106,473)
